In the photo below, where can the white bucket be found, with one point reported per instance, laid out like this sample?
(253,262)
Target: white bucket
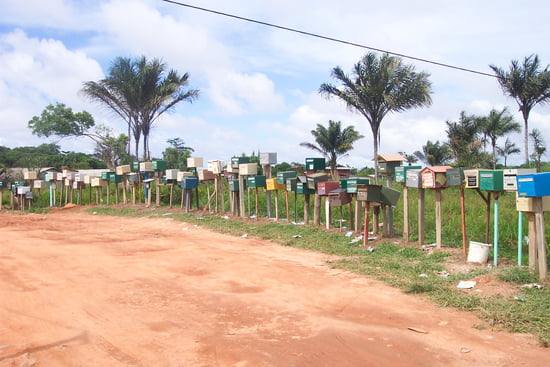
(478,252)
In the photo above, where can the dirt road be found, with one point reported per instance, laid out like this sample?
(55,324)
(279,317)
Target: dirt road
(88,290)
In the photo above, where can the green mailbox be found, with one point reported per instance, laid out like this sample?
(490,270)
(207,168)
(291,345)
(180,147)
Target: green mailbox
(285,175)
(291,184)
(354,182)
(158,165)
(315,164)
(491,180)
(301,188)
(105,176)
(3,184)
(256,181)
(370,193)
(114,178)
(455,176)
(135,166)
(235,161)
(401,173)
(234,185)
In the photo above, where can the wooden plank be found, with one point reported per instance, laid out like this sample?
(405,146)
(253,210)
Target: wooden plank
(421,227)
(406,213)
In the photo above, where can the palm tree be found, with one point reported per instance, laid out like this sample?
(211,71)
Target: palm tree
(333,142)
(379,85)
(506,150)
(538,146)
(139,91)
(434,154)
(528,85)
(496,125)
(465,141)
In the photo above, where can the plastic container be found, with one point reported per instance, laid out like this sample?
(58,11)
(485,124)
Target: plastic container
(478,252)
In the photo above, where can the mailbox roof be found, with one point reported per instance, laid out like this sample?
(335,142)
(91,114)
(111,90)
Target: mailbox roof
(436,169)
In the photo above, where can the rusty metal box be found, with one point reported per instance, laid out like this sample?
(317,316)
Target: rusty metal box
(206,175)
(325,187)
(339,197)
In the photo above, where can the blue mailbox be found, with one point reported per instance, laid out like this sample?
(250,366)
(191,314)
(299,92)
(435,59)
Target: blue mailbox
(189,182)
(534,185)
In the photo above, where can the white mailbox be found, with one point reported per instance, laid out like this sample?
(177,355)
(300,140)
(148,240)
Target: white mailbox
(194,162)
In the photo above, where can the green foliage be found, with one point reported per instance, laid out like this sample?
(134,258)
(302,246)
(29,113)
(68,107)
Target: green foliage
(435,154)
(495,125)
(61,121)
(46,155)
(176,154)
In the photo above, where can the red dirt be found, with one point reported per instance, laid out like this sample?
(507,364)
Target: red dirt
(89,290)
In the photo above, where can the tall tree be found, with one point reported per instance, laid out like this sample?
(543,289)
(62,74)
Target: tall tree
(139,91)
(333,142)
(435,154)
(377,86)
(507,149)
(496,125)
(529,85)
(177,153)
(539,147)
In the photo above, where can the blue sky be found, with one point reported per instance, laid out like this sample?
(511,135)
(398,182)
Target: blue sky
(259,86)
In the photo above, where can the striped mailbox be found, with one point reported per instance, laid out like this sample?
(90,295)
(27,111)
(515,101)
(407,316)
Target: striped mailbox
(534,185)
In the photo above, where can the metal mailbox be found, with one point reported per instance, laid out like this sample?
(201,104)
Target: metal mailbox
(285,175)
(434,177)
(22,190)
(491,180)
(248,169)
(194,162)
(314,179)
(354,182)
(339,197)
(315,164)
(272,184)
(114,178)
(471,177)
(3,184)
(413,178)
(106,175)
(388,168)
(122,170)
(189,182)
(257,181)
(59,176)
(325,187)
(234,185)
(390,196)
(401,172)
(235,161)
(455,176)
(301,188)
(37,184)
(510,177)
(133,177)
(146,167)
(135,166)
(206,175)
(268,158)
(78,185)
(370,193)
(534,185)
(291,184)
(50,176)
(29,175)
(158,165)
(182,174)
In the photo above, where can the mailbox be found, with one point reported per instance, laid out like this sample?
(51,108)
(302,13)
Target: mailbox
(401,172)
(158,165)
(39,184)
(301,188)
(256,181)
(22,190)
(114,178)
(3,184)
(133,177)
(78,185)
(248,169)
(510,177)
(388,168)
(98,182)
(50,176)
(235,161)
(491,180)
(194,162)
(59,176)
(216,167)
(172,174)
(182,174)
(390,196)
(370,193)
(272,184)
(471,176)
(354,182)
(135,166)
(314,179)
(325,187)
(234,185)
(525,204)
(455,176)
(206,175)
(67,182)
(268,158)
(29,175)
(315,164)
(285,175)
(146,167)
(291,184)
(434,177)
(339,197)
(122,170)
(413,178)
(534,185)
(105,175)
(189,182)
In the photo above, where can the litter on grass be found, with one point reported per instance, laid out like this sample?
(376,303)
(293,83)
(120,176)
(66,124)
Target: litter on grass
(466,284)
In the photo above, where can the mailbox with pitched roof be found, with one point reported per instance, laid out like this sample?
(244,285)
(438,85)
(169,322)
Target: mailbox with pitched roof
(388,162)
(434,177)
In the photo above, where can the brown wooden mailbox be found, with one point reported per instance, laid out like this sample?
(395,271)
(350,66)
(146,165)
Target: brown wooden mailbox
(325,187)
(434,177)
(524,204)
(216,167)
(339,197)
(206,175)
(121,170)
(29,175)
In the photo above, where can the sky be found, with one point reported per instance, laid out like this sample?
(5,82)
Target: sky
(259,86)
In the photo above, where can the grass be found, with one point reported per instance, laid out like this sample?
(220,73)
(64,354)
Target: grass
(408,268)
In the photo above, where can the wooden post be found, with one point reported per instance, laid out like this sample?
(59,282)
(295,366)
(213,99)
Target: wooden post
(533,261)
(242,207)
(385,230)
(421,216)
(317,210)
(108,193)
(406,213)
(327,212)
(540,242)
(287,206)
(133,194)
(376,219)
(276,205)
(438,218)
(157,188)
(357,227)
(351,218)
(256,203)
(207,195)
(267,173)
(216,187)
(124,195)
(116,193)
(366,224)
(171,194)
(463,218)
(307,199)
(388,222)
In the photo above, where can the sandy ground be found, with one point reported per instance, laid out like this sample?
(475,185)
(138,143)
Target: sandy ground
(88,290)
